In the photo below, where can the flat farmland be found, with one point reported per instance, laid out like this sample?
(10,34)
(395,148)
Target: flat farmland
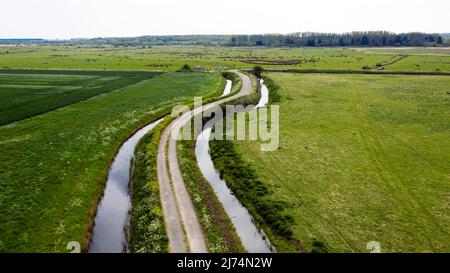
(25,93)
(54,165)
(361,158)
(168,58)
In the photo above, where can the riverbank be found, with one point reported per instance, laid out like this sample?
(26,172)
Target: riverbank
(219,232)
(268,213)
(147,228)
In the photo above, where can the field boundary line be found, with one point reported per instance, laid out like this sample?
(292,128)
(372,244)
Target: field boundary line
(370,72)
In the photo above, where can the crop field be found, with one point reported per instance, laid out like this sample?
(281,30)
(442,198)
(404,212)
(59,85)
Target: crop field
(54,165)
(25,93)
(173,57)
(362,158)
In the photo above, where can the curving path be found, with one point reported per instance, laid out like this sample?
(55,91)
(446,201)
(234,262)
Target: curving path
(182,224)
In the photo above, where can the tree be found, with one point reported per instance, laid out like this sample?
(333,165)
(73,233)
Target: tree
(365,40)
(257,70)
(259,43)
(311,43)
(186,68)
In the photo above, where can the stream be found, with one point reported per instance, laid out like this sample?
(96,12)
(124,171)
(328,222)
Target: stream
(110,234)
(252,238)
(227,89)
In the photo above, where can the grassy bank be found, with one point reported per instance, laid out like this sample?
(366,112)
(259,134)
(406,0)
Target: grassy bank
(147,228)
(362,158)
(242,179)
(54,166)
(219,232)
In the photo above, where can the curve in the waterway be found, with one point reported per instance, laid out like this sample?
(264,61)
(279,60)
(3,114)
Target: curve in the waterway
(112,218)
(227,89)
(176,202)
(251,237)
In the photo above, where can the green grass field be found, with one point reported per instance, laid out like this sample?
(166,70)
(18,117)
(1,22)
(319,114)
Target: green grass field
(54,165)
(173,57)
(25,93)
(362,158)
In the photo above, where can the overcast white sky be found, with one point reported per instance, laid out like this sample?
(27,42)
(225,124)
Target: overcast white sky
(106,18)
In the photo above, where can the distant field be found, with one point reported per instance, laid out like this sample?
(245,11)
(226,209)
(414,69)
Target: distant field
(407,50)
(54,165)
(25,93)
(173,57)
(362,158)
(422,63)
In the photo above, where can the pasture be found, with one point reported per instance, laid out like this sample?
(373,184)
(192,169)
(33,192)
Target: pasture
(169,58)
(362,158)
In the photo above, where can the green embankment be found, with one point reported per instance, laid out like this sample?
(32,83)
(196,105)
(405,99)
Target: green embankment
(147,228)
(219,231)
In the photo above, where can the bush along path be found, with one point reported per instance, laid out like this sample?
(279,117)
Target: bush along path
(220,234)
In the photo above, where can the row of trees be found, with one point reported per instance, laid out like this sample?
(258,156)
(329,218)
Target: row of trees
(157,40)
(369,38)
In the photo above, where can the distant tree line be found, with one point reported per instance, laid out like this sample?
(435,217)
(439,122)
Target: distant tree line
(21,41)
(369,38)
(300,39)
(156,40)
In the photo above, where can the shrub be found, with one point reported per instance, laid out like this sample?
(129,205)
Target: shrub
(186,68)
(319,247)
(257,71)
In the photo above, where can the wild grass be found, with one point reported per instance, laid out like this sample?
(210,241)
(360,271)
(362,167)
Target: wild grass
(362,158)
(219,232)
(147,228)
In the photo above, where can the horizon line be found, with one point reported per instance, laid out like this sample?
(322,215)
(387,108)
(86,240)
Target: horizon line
(162,35)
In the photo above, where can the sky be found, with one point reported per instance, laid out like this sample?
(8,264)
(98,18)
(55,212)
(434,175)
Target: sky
(63,19)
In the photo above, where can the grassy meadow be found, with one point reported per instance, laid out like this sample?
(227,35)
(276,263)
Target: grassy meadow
(362,158)
(170,58)
(54,165)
